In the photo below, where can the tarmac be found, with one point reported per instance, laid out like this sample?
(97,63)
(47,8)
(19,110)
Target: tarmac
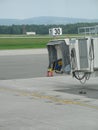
(47,103)
(23,52)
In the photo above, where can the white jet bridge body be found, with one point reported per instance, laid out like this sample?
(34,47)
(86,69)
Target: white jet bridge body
(78,57)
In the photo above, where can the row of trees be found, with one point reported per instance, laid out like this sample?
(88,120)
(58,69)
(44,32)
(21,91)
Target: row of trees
(43,29)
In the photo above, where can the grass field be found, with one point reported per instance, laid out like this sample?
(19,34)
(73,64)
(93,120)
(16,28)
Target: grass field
(23,41)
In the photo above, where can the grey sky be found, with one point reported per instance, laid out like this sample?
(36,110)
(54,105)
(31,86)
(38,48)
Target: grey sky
(65,8)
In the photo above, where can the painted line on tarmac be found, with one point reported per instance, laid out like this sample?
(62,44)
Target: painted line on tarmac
(48,97)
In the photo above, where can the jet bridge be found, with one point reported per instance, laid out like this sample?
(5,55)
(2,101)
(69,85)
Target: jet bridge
(59,57)
(83,57)
(74,56)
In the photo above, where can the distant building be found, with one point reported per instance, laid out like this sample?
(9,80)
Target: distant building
(88,30)
(30,33)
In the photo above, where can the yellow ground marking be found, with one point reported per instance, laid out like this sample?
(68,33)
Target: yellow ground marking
(51,98)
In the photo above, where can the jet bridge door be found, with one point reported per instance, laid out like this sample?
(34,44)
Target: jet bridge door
(58,49)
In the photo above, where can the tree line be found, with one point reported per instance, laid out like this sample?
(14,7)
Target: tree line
(42,29)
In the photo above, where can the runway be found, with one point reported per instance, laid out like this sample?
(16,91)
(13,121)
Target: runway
(45,103)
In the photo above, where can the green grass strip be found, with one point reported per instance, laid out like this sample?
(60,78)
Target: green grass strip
(22,43)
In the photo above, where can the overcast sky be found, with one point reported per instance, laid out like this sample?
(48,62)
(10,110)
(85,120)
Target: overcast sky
(22,9)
